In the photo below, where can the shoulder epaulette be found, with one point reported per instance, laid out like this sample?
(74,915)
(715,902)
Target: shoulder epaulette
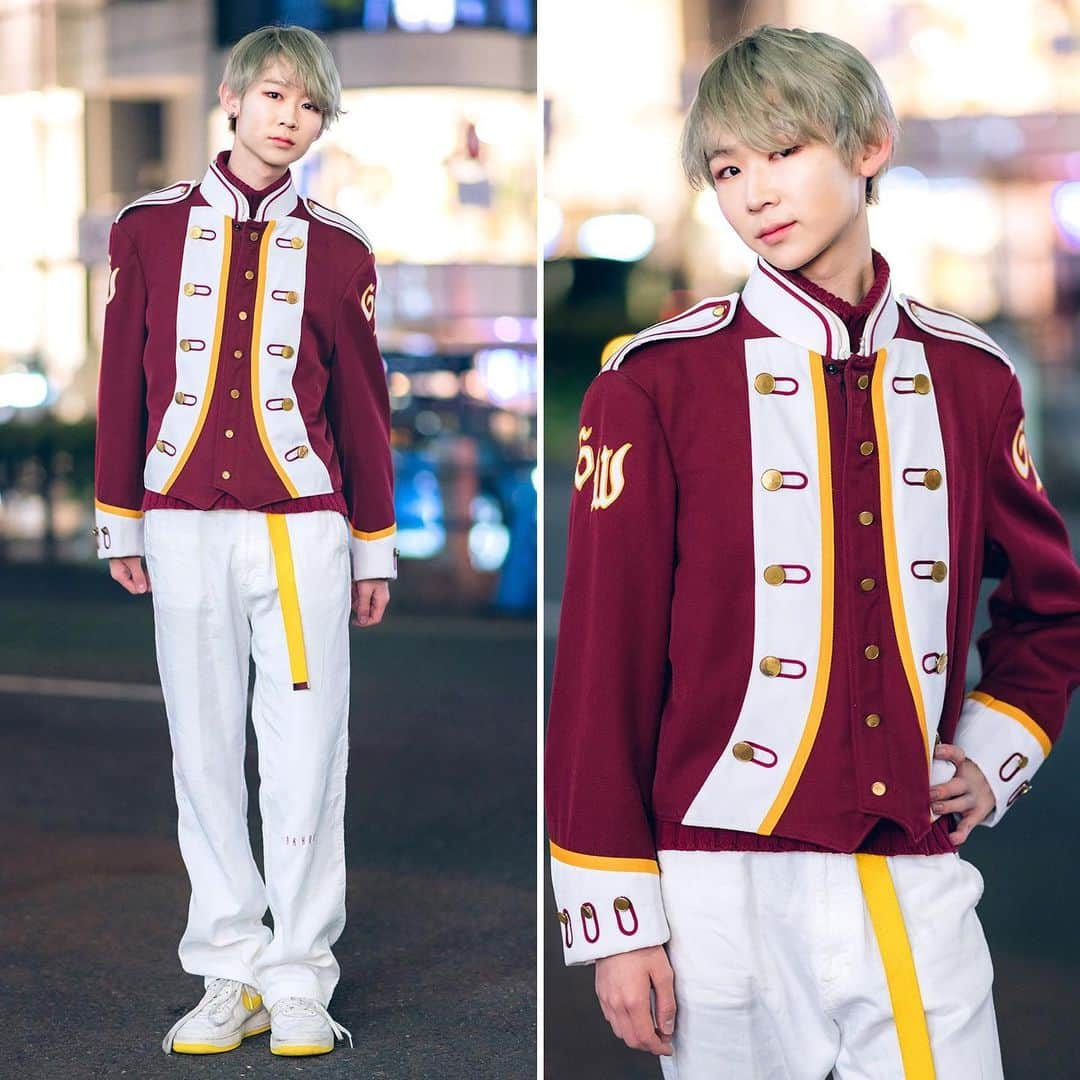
(340,221)
(163,196)
(947,324)
(705,317)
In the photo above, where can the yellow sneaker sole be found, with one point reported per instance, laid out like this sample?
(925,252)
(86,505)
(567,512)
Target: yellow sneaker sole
(299,1051)
(210,1048)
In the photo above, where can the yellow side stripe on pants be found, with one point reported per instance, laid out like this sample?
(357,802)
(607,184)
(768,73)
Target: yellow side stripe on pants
(290,601)
(895,949)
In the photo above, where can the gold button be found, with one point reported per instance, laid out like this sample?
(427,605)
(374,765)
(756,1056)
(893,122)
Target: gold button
(292,297)
(939,571)
(775,575)
(942,662)
(225,474)
(1023,761)
(301,451)
(771,479)
(871,652)
(922,383)
(587,911)
(195,233)
(621,903)
(238,353)
(161,445)
(228,433)
(866,448)
(249,274)
(189,289)
(932,479)
(867,584)
(873,720)
(770,666)
(862,382)
(287,352)
(877,787)
(764,383)
(743,751)
(286,404)
(254,236)
(185,345)
(297,242)
(720,311)
(234,393)
(563,918)
(178,397)
(866,518)
(242,316)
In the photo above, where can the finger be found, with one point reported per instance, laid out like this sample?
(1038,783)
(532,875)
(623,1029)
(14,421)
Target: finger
(951,789)
(363,608)
(950,752)
(964,827)
(121,573)
(379,599)
(138,576)
(664,1004)
(640,1020)
(955,806)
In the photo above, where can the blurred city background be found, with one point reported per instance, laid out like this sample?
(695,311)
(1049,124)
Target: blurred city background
(435,158)
(980,214)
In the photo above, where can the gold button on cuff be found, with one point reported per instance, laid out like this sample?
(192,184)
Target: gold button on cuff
(225,474)
(922,383)
(932,479)
(942,663)
(185,345)
(775,575)
(871,652)
(587,911)
(563,918)
(770,666)
(292,297)
(242,316)
(297,242)
(234,393)
(878,788)
(302,451)
(238,353)
(178,397)
(228,433)
(160,445)
(286,404)
(862,382)
(771,479)
(867,584)
(195,233)
(621,903)
(866,517)
(249,274)
(939,571)
(189,289)
(873,720)
(764,383)
(287,352)
(743,751)
(866,448)
(1023,761)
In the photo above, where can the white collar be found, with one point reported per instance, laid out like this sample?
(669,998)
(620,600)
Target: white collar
(226,197)
(795,315)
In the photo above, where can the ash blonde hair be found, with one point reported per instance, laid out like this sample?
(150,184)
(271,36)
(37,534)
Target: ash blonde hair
(302,50)
(772,88)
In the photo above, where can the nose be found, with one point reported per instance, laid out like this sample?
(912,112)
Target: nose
(758,189)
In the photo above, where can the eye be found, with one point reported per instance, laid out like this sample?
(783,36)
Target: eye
(314,107)
(789,151)
(271,92)
(720,175)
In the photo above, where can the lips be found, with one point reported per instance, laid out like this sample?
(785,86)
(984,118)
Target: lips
(283,142)
(765,234)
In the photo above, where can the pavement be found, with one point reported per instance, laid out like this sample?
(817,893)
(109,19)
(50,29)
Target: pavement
(438,955)
(1028,911)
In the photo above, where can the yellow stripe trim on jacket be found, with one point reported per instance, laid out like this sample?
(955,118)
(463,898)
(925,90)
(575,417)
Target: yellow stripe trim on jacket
(899,963)
(374,535)
(208,396)
(892,565)
(1016,714)
(604,862)
(256,334)
(828,556)
(119,510)
(290,601)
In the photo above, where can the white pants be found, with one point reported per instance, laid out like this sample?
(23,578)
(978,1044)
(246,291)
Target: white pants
(791,964)
(227,584)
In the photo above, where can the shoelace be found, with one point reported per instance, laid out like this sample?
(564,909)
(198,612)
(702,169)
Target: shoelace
(219,999)
(298,1006)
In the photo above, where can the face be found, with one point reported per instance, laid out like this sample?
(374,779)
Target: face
(806,188)
(276,121)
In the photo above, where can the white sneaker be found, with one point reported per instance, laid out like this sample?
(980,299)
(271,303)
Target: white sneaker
(229,1012)
(301,1026)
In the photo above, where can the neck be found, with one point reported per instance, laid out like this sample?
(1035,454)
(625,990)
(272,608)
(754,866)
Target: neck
(252,170)
(845,268)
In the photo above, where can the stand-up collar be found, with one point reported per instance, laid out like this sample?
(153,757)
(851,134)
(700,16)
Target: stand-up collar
(786,307)
(229,194)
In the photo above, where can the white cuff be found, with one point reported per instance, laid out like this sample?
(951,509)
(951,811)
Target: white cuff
(117,532)
(606,906)
(1005,743)
(374,554)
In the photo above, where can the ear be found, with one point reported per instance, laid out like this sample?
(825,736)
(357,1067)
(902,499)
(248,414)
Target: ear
(230,102)
(874,156)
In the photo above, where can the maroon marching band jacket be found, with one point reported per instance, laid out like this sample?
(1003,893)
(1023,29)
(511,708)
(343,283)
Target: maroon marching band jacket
(240,366)
(774,557)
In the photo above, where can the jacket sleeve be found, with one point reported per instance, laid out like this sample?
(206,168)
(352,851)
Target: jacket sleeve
(1030,653)
(610,677)
(358,407)
(120,440)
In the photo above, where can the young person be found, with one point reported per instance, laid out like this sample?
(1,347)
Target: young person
(243,449)
(760,752)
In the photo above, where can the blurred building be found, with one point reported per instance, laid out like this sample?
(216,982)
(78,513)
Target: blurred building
(435,156)
(980,213)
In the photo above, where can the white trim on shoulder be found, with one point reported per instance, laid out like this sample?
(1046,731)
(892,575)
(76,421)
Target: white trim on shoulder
(947,324)
(708,315)
(332,217)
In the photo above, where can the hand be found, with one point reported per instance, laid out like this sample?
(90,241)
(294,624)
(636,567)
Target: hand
(967,793)
(369,600)
(623,983)
(130,573)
